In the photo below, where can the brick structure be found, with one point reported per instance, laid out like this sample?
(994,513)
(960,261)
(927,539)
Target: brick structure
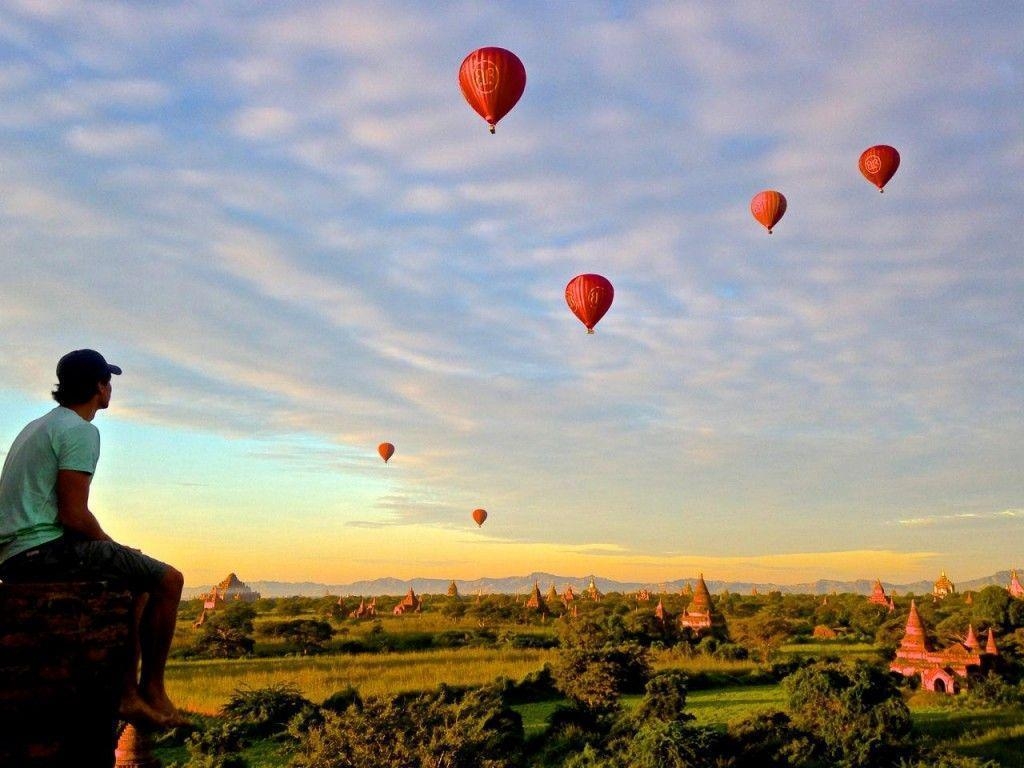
(943,587)
(365,610)
(552,597)
(660,613)
(1016,589)
(593,593)
(946,670)
(410,604)
(698,616)
(536,602)
(63,651)
(227,591)
(878,596)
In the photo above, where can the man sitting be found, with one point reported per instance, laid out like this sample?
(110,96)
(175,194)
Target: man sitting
(48,533)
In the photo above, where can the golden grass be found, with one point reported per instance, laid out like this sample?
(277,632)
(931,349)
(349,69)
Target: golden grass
(205,686)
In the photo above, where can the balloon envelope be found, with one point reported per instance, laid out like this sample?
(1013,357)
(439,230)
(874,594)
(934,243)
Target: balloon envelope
(479,515)
(386,451)
(589,297)
(878,164)
(492,80)
(768,207)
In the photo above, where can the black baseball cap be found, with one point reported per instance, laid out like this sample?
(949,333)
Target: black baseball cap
(84,365)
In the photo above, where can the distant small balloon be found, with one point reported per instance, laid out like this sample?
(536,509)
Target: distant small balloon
(479,515)
(878,164)
(386,451)
(589,297)
(768,207)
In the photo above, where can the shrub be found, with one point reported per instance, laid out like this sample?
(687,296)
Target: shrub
(216,746)
(341,700)
(266,711)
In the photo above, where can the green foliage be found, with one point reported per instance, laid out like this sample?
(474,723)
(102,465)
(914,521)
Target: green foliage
(217,746)
(855,713)
(445,728)
(227,633)
(266,711)
(341,700)
(769,740)
(762,632)
(946,759)
(993,690)
(308,634)
(671,744)
(664,698)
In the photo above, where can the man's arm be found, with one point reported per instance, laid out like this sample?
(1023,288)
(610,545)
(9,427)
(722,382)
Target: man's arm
(73,505)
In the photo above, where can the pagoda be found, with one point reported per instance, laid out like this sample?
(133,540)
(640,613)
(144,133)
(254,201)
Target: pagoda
(410,604)
(698,616)
(943,587)
(1015,589)
(552,596)
(568,596)
(593,593)
(660,613)
(942,671)
(536,602)
(453,589)
(229,590)
(878,596)
(365,610)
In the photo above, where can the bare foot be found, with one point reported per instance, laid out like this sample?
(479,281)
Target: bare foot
(135,710)
(161,703)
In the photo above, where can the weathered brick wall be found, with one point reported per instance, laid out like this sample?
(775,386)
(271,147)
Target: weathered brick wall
(62,651)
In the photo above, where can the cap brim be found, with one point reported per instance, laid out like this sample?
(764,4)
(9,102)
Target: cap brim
(115,369)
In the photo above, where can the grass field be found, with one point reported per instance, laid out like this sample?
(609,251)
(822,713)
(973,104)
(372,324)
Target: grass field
(205,686)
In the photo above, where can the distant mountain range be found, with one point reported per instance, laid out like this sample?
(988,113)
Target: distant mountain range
(522,584)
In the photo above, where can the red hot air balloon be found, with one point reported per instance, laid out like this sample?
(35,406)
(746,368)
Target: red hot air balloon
(878,164)
(386,451)
(589,297)
(479,515)
(768,207)
(492,80)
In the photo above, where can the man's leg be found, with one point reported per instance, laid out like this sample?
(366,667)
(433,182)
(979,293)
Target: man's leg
(156,631)
(133,708)
(156,616)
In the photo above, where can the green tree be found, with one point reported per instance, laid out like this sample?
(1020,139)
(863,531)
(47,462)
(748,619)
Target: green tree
(992,608)
(664,698)
(592,671)
(441,729)
(309,634)
(762,633)
(228,633)
(855,713)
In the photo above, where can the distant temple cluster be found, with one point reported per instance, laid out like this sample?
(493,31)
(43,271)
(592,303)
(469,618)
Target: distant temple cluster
(945,670)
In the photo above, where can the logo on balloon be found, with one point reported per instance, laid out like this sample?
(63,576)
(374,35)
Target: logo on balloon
(485,76)
(595,295)
(872,163)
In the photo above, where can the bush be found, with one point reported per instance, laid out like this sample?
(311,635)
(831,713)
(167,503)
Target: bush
(217,747)
(446,727)
(854,712)
(266,711)
(341,700)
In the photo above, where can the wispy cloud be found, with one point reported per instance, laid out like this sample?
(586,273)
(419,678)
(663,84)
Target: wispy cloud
(962,518)
(293,225)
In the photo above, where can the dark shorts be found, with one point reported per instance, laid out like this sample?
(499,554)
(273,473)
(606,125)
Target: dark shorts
(71,560)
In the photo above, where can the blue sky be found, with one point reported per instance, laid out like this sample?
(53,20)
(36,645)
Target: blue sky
(298,240)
